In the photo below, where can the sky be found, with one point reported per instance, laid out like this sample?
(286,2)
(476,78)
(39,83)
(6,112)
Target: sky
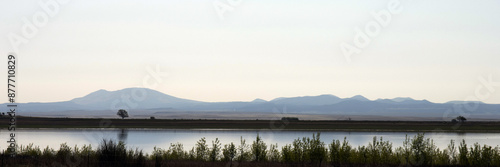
(240,50)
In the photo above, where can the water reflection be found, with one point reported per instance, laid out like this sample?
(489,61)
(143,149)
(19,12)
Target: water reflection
(123,135)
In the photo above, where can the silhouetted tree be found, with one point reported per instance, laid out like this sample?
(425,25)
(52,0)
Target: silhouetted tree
(461,119)
(122,113)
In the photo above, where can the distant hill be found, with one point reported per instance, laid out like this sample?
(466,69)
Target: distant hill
(463,102)
(359,98)
(151,100)
(402,99)
(308,100)
(139,98)
(134,97)
(259,101)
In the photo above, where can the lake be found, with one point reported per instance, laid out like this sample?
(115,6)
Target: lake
(147,139)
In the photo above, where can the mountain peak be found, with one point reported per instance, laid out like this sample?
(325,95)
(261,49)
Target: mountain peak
(139,97)
(360,98)
(101,90)
(259,101)
(324,99)
(401,99)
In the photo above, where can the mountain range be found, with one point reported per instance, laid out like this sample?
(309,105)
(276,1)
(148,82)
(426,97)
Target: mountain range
(143,99)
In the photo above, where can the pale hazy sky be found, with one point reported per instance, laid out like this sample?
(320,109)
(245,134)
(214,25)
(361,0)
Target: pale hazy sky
(432,49)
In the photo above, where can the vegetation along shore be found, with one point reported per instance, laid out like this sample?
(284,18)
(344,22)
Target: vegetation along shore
(344,125)
(306,151)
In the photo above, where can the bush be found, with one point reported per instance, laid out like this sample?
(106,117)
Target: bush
(315,149)
(215,150)
(243,153)
(175,152)
(335,152)
(287,153)
(259,149)
(345,152)
(31,150)
(229,152)
(63,152)
(463,154)
(111,153)
(201,150)
(274,154)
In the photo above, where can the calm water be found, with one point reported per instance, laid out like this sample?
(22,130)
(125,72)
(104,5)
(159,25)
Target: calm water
(147,139)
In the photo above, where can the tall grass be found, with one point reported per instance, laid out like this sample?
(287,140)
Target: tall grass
(306,151)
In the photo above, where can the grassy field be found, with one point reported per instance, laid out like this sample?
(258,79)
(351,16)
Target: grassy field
(37,122)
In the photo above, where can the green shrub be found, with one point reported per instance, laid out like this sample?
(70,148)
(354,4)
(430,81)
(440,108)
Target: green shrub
(259,149)
(274,154)
(215,150)
(345,152)
(487,156)
(452,152)
(243,151)
(201,150)
(175,152)
(229,152)
(315,149)
(287,153)
(30,150)
(335,152)
(297,150)
(463,154)
(48,153)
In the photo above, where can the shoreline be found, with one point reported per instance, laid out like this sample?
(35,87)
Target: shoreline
(252,125)
(267,130)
